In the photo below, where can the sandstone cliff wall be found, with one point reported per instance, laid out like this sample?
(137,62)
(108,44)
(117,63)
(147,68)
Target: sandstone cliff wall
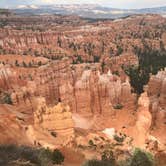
(8,77)
(54,119)
(157,94)
(87,91)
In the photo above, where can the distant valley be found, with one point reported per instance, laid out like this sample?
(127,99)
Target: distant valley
(86,10)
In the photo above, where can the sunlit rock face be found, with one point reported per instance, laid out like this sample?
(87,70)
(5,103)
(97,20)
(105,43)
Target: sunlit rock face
(8,77)
(164,39)
(56,119)
(54,82)
(151,113)
(144,120)
(84,90)
(157,95)
(98,93)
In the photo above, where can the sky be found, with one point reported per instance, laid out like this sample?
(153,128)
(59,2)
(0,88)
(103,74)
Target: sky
(127,4)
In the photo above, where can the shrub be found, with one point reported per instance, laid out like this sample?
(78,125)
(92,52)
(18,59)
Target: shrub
(96,59)
(119,50)
(92,163)
(79,59)
(118,106)
(124,162)
(45,157)
(108,156)
(98,163)
(57,157)
(108,159)
(33,156)
(103,66)
(7,99)
(28,154)
(141,158)
(116,73)
(118,138)
(91,143)
(11,153)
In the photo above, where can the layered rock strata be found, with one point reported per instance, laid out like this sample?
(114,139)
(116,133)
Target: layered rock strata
(8,77)
(87,91)
(56,119)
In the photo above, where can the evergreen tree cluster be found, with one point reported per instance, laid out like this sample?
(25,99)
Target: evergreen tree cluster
(150,62)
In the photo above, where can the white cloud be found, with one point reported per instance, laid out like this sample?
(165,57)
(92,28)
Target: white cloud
(114,3)
(137,3)
(48,1)
(111,3)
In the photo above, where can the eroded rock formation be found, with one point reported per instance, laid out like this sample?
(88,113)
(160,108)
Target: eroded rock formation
(144,120)
(157,93)
(8,77)
(85,91)
(99,93)
(56,119)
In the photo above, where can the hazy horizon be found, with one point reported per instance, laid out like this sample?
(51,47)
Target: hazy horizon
(128,4)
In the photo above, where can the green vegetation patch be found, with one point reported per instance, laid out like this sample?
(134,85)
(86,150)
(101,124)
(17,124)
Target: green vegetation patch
(10,154)
(150,62)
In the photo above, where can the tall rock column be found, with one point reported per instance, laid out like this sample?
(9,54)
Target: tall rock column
(144,120)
